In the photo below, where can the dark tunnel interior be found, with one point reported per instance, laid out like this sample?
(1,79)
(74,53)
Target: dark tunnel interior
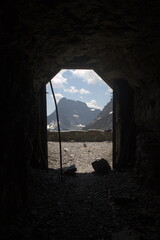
(120,40)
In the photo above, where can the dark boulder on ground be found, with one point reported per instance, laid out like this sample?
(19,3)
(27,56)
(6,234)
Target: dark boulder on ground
(101,166)
(69,171)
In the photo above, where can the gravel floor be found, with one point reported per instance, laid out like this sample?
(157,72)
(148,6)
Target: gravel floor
(79,153)
(86,206)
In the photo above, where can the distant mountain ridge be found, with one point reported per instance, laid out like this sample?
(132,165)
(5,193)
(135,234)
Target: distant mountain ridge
(73,115)
(104,119)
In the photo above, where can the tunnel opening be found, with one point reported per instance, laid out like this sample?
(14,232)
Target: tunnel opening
(85,106)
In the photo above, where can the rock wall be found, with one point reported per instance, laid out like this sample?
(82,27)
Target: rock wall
(124,125)
(81,136)
(147,165)
(17,131)
(147,117)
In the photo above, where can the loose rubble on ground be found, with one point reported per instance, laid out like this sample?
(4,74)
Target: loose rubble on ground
(86,205)
(82,154)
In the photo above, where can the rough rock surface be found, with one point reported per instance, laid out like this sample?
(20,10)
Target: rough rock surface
(83,207)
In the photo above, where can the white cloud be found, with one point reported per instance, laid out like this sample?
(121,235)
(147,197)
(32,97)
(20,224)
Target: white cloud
(72,89)
(83,91)
(58,96)
(89,76)
(93,104)
(59,81)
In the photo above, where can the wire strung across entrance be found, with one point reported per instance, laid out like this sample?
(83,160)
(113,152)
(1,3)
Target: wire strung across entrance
(59,132)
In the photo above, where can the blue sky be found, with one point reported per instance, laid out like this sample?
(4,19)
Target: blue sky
(77,84)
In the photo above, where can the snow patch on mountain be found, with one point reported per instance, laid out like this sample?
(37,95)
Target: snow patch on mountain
(80,125)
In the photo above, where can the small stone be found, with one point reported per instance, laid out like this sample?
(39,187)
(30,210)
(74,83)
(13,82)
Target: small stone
(66,149)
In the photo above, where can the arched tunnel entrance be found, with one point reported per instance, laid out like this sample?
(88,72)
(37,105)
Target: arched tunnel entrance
(123,125)
(85,107)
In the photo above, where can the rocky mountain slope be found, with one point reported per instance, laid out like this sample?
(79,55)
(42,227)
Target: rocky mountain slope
(73,115)
(104,119)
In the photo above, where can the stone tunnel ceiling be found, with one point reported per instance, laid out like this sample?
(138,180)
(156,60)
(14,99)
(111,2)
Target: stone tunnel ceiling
(112,37)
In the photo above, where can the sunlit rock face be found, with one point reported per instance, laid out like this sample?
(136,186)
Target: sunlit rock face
(118,39)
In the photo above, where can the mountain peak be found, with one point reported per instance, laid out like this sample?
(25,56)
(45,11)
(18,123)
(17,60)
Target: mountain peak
(70,101)
(73,115)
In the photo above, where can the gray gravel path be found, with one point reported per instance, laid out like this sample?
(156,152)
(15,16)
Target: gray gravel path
(79,153)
